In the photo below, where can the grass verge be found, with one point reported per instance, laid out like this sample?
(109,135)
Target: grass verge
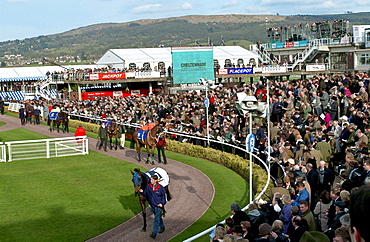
(78,197)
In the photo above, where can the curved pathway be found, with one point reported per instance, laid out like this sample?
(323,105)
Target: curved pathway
(192,192)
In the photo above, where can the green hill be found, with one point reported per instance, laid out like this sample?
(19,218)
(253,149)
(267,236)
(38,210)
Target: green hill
(87,44)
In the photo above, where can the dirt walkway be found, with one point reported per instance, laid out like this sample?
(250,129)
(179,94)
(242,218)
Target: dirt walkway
(191,189)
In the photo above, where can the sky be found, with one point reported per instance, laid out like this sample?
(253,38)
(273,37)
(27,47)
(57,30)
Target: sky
(20,19)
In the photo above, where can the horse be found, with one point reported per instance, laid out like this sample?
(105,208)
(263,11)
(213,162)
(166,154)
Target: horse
(61,119)
(148,138)
(30,116)
(113,133)
(142,179)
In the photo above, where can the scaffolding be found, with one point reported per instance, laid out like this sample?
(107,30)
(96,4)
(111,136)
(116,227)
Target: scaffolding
(316,30)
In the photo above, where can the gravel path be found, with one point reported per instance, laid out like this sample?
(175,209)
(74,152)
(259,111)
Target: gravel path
(192,192)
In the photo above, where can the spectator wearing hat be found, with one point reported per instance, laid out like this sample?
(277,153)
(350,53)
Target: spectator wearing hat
(238,214)
(314,236)
(156,196)
(339,212)
(266,233)
(333,108)
(121,134)
(312,178)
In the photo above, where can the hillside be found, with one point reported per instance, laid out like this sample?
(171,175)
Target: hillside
(87,44)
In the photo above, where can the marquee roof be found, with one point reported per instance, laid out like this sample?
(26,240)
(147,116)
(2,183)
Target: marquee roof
(141,55)
(34,73)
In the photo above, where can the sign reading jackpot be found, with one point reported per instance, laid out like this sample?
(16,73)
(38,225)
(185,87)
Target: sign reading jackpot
(191,63)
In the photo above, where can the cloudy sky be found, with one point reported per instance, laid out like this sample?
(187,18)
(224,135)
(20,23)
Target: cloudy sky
(21,19)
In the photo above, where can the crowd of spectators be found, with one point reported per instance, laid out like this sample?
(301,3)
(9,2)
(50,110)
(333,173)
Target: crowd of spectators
(319,128)
(83,73)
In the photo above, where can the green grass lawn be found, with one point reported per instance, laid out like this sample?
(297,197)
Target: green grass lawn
(78,197)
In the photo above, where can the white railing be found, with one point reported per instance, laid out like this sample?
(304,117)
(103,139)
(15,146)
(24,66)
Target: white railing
(301,57)
(14,107)
(46,148)
(2,153)
(236,147)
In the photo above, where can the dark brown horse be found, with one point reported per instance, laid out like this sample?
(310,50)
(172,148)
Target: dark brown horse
(113,134)
(30,116)
(61,120)
(140,181)
(148,138)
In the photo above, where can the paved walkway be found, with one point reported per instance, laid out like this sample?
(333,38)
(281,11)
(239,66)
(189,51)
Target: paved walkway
(191,190)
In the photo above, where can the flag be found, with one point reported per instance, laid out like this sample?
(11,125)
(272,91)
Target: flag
(197,43)
(209,42)
(222,41)
(267,19)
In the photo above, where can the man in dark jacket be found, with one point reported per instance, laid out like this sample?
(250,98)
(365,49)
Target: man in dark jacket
(103,136)
(238,214)
(299,229)
(156,196)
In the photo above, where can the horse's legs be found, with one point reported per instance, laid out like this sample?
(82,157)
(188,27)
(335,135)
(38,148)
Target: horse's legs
(169,197)
(138,150)
(142,203)
(110,142)
(116,147)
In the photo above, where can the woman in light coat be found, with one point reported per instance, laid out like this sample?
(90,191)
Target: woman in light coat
(321,209)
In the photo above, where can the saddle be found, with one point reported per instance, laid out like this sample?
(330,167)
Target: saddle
(142,134)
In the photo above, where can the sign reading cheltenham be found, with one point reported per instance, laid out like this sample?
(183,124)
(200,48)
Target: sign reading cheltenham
(192,63)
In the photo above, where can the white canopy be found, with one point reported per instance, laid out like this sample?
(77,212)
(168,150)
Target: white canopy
(121,58)
(34,73)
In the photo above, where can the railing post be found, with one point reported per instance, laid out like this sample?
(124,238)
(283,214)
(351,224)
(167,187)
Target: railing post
(10,158)
(47,143)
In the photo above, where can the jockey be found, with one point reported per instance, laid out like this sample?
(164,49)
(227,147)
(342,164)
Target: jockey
(150,125)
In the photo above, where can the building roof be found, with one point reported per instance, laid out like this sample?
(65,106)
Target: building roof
(155,55)
(34,73)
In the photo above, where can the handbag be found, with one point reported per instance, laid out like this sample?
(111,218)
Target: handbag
(318,221)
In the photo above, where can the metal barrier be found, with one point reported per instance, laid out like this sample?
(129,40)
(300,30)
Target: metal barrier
(14,107)
(46,148)
(245,208)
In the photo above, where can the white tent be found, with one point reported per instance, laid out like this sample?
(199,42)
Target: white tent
(121,58)
(34,73)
